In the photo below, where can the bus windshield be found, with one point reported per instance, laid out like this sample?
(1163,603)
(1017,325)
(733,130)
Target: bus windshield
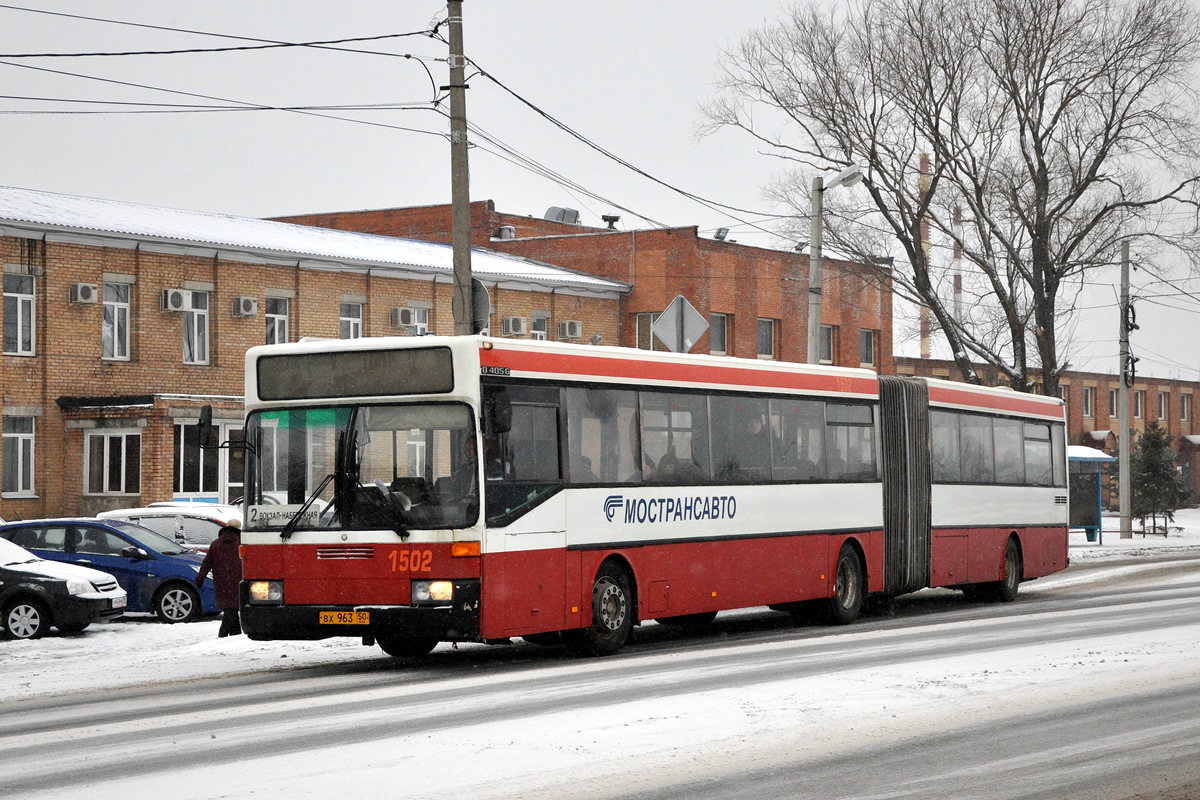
(369,467)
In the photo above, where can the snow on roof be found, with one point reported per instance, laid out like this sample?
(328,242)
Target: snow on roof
(1079,452)
(264,238)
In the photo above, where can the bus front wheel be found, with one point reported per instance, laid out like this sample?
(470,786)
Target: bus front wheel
(405,646)
(612,614)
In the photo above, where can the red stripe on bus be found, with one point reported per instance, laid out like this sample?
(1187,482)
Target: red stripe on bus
(1018,402)
(646,369)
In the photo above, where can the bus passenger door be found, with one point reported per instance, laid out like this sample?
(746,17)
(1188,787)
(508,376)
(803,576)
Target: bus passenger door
(904,435)
(525,503)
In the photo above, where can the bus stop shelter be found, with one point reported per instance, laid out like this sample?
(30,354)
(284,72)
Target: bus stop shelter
(1085,465)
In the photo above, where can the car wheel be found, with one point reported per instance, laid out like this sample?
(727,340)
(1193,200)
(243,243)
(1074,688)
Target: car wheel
(177,602)
(26,619)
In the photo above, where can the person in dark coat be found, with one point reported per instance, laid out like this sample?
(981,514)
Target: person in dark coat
(225,564)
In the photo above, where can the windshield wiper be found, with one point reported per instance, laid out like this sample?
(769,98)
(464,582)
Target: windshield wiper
(295,521)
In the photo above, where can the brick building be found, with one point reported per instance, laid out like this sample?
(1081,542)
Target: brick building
(120,321)
(755,299)
(1091,399)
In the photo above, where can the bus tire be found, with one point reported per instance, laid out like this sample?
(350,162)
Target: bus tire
(689,620)
(405,646)
(848,588)
(612,614)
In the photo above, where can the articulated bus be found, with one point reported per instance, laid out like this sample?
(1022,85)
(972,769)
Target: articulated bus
(417,490)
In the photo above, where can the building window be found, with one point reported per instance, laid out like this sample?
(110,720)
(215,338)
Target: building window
(717,334)
(277,320)
(826,345)
(1164,402)
(1064,393)
(1139,403)
(1112,403)
(113,462)
(645,339)
(16,456)
(18,314)
(116,321)
(195,330)
(1185,407)
(196,469)
(539,328)
(420,321)
(1089,401)
(766,338)
(866,348)
(351,321)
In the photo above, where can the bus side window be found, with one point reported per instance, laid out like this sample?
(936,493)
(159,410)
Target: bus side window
(943,436)
(800,446)
(603,438)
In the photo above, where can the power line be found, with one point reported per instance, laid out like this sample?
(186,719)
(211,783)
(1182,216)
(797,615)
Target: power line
(321,44)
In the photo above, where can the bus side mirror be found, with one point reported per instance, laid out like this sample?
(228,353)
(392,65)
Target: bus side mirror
(206,427)
(497,413)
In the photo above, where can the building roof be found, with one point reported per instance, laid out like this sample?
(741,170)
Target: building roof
(100,222)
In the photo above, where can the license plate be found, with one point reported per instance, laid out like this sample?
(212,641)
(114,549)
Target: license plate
(118,602)
(345,617)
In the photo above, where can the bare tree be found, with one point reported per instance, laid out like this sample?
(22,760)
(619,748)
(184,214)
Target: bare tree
(1028,137)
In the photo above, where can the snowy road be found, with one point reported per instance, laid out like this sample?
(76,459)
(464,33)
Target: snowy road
(1088,687)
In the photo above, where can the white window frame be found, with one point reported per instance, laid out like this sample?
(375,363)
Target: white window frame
(1164,403)
(771,326)
(645,329)
(1185,407)
(1139,403)
(22,306)
(539,328)
(18,453)
(115,327)
(1089,402)
(195,330)
(723,348)
(866,347)
(825,344)
(1113,399)
(276,310)
(106,438)
(350,323)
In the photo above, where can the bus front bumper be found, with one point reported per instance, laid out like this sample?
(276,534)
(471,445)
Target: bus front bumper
(452,623)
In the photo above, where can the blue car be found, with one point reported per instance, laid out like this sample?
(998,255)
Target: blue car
(155,572)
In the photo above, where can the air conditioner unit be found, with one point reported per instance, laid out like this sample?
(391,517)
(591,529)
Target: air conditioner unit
(402,318)
(245,306)
(570,329)
(507,232)
(175,300)
(86,293)
(515,326)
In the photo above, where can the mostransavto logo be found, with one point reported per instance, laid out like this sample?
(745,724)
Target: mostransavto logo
(671,509)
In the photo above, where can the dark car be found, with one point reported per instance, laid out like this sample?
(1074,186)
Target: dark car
(155,572)
(36,594)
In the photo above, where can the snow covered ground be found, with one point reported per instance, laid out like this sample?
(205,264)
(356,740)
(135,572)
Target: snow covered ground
(139,648)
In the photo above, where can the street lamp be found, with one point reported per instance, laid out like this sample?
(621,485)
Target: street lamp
(847,177)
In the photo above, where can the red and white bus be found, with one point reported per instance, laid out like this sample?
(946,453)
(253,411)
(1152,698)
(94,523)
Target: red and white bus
(414,490)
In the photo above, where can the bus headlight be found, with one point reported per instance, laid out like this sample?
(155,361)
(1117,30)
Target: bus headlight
(432,593)
(266,593)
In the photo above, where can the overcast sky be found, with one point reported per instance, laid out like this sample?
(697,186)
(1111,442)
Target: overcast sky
(629,75)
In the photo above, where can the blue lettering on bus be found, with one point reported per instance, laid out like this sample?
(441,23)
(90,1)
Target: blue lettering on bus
(692,508)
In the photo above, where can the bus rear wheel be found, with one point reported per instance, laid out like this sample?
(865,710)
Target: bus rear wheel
(405,646)
(848,588)
(612,615)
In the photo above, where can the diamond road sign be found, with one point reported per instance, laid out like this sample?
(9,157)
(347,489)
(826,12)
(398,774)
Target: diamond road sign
(680,326)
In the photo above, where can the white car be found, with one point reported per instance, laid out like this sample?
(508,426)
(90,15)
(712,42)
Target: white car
(192,524)
(36,594)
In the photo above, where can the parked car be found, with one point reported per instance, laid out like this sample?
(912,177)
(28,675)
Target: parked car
(155,572)
(36,594)
(193,524)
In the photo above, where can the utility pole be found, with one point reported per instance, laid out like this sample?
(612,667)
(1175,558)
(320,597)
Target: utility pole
(1127,376)
(460,193)
(814,270)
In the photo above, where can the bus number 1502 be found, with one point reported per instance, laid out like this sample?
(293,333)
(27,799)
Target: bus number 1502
(411,560)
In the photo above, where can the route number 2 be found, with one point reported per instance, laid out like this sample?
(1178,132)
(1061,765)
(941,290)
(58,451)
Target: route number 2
(411,560)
